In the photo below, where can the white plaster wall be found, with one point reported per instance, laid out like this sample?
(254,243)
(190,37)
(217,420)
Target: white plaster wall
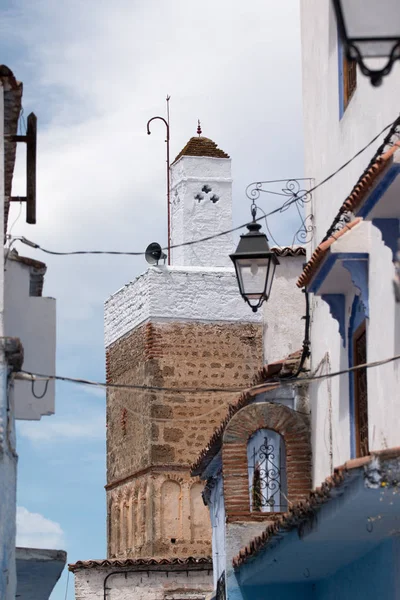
(329,142)
(282,314)
(143,585)
(383,342)
(179,294)
(217,517)
(8,456)
(33,320)
(192,219)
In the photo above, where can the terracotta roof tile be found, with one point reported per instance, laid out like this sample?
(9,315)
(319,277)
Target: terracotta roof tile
(351,204)
(268,374)
(205,561)
(27,260)
(289,250)
(369,179)
(320,253)
(297,515)
(201,146)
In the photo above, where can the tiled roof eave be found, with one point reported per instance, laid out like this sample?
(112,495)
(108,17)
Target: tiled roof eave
(321,252)
(138,564)
(201,147)
(302,512)
(289,250)
(351,204)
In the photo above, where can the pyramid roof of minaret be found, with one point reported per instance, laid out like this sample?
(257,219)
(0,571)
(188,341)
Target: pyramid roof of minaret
(202,146)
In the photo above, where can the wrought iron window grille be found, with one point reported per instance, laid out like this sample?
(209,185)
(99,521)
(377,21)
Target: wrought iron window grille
(296,194)
(268,478)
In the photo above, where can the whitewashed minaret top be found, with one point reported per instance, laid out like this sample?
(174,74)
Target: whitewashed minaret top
(200,284)
(201,205)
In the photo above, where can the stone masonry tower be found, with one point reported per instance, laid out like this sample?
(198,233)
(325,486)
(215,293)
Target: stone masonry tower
(183,326)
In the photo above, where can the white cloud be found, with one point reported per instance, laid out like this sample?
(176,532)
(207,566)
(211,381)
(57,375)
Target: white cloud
(35,531)
(94,74)
(86,427)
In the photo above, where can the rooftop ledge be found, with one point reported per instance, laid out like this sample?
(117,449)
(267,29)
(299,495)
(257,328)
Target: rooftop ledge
(177,294)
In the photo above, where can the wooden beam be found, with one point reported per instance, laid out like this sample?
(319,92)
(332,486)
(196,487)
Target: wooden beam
(31,134)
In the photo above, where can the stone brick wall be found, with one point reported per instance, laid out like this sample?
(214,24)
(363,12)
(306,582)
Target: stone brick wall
(295,430)
(153,436)
(144,584)
(158,514)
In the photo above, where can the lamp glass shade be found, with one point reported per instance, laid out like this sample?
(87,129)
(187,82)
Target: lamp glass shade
(373,27)
(255,266)
(252,276)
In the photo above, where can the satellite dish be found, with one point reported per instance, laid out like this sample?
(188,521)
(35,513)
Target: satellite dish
(154,253)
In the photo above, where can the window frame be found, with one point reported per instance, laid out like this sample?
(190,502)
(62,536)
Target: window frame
(359,442)
(345,68)
(277,462)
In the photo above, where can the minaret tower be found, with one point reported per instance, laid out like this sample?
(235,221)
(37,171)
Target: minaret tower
(178,326)
(201,202)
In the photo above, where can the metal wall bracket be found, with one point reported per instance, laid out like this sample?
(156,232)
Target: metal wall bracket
(30,139)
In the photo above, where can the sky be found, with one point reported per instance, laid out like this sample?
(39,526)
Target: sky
(94,72)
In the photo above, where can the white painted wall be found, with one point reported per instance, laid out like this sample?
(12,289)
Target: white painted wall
(192,219)
(144,585)
(177,294)
(217,517)
(329,142)
(282,314)
(8,456)
(33,320)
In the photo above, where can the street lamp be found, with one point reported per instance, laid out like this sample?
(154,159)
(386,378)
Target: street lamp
(370,29)
(255,265)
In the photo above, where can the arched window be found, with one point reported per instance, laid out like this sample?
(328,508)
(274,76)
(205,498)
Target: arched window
(266,459)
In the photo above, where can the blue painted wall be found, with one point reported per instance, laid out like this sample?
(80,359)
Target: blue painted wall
(375,576)
(372,577)
(289,591)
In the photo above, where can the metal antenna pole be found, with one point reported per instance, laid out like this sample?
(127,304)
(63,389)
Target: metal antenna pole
(166,123)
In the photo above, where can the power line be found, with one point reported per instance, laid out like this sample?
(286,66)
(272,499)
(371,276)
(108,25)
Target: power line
(285,205)
(274,384)
(30,376)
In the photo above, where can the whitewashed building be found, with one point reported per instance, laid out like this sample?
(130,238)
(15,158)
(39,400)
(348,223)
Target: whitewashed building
(342,540)
(28,338)
(342,114)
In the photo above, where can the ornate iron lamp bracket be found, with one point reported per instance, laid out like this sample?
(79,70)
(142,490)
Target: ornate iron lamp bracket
(296,195)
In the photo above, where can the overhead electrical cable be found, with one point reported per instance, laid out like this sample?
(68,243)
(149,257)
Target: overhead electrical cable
(285,205)
(30,376)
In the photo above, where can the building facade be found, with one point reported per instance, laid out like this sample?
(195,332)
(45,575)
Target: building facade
(256,465)
(184,336)
(27,323)
(346,125)
(182,326)
(340,541)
